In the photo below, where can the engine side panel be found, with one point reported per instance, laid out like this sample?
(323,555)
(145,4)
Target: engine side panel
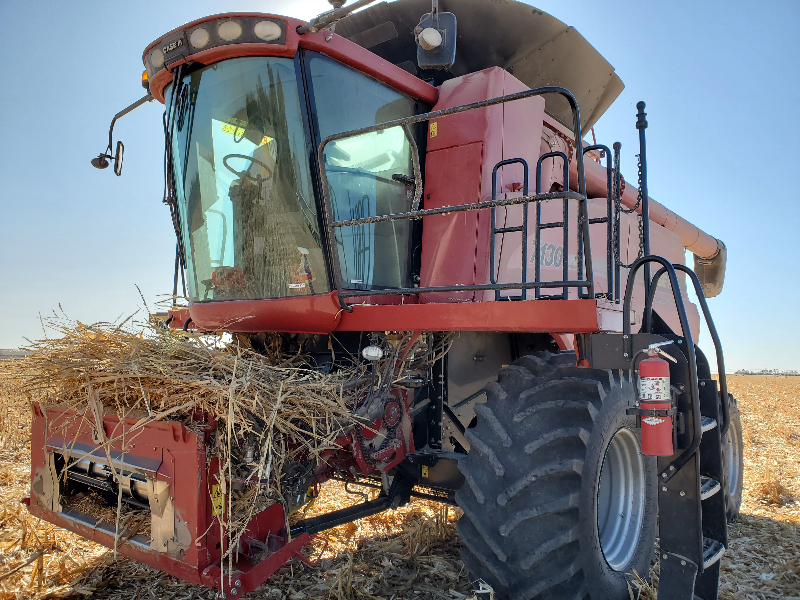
(510,130)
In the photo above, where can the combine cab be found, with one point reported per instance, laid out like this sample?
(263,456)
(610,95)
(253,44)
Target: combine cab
(378,188)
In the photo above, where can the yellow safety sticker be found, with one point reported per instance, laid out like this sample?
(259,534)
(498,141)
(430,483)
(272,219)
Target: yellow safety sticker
(425,470)
(239,132)
(217,501)
(434,129)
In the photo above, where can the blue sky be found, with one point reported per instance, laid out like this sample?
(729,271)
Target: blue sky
(721,81)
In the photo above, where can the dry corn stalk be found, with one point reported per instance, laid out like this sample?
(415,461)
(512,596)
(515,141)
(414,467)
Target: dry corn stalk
(282,410)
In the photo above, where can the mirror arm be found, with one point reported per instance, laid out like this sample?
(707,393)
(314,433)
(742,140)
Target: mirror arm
(122,113)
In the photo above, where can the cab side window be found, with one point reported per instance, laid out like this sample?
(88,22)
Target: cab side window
(365,173)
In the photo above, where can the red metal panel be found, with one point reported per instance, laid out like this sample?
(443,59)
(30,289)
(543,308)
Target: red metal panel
(177,317)
(321,314)
(306,314)
(504,131)
(177,457)
(183,466)
(455,248)
(450,242)
(555,316)
(522,131)
(471,126)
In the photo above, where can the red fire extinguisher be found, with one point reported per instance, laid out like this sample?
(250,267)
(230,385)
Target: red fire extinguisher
(655,396)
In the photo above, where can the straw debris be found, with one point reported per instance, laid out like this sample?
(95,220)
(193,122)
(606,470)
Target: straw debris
(265,414)
(411,552)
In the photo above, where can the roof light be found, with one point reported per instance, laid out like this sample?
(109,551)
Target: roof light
(430,38)
(199,38)
(267,30)
(157,58)
(145,80)
(229,30)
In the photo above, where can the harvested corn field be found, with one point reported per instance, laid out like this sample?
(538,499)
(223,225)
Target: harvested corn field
(412,552)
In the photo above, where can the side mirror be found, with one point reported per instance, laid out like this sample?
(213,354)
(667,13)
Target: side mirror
(436,40)
(118,159)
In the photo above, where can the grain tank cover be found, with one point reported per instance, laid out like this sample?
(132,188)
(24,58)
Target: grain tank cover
(536,48)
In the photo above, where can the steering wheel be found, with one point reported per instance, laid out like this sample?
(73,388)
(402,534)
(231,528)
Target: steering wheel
(244,173)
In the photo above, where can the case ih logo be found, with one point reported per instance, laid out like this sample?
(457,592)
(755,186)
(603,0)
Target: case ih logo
(172,46)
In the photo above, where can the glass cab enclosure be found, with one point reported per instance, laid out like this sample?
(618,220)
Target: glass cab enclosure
(243,135)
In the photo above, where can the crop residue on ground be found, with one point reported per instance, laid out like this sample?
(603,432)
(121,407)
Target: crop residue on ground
(411,552)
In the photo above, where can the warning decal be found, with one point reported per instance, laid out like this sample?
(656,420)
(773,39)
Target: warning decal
(654,388)
(217,501)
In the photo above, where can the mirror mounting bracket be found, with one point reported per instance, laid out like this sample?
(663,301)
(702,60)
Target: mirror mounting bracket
(101,161)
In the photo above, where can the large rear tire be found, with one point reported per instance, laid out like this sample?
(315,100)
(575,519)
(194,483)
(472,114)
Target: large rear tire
(558,502)
(733,462)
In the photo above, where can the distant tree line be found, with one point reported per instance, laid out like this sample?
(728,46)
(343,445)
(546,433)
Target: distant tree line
(766,372)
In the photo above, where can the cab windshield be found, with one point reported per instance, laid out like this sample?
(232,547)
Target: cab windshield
(248,218)
(240,158)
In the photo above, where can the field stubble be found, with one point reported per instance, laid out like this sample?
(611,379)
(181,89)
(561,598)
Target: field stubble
(412,552)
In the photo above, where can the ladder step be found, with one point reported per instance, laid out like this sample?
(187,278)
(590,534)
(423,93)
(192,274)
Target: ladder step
(708,487)
(508,229)
(708,423)
(712,552)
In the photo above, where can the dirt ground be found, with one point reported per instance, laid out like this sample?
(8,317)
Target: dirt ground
(412,552)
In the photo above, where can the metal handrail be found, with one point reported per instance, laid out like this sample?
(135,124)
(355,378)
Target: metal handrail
(627,346)
(698,288)
(522,229)
(331,224)
(564,224)
(617,192)
(607,219)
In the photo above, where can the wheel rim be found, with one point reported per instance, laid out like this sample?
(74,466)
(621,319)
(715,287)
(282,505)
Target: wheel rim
(620,499)
(732,454)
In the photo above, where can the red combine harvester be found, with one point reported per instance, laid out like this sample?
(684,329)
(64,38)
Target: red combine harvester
(369,190)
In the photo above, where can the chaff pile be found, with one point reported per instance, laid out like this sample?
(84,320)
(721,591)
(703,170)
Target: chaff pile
(268,414)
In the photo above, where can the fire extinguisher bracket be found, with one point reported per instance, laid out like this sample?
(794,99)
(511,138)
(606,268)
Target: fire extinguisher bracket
(652,412)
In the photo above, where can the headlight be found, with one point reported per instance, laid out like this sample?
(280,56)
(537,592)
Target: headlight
(157,58)
(267,30)
(199,38)
(209,34)
(229,30)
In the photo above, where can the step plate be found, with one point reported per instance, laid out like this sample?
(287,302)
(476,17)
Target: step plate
(708,423)
(708,487)
(712,552)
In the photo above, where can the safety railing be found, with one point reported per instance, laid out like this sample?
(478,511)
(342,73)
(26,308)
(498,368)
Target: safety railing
(580,197)
(627,348)
(564,225)
(609,220)
(701,297)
